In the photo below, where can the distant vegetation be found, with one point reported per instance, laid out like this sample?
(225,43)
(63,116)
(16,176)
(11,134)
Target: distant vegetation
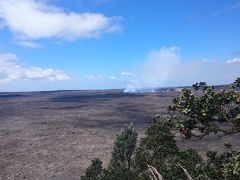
(194,114)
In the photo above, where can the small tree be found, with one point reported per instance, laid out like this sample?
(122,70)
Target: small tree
(189,159)
(123,150)
(120,165)
(236,83)
(158,148)
(204,111)
(95,171)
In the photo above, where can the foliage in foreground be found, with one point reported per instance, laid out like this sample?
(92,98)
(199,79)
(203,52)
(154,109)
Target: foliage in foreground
(204,109)
(157,154)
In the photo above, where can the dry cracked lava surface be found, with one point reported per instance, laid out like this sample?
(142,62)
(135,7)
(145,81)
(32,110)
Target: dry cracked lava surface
(55,135)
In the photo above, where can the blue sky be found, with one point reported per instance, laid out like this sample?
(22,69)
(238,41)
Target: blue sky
(104,44)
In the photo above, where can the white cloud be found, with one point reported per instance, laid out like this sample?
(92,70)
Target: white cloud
(11,70)
(112,77)
(100,77)
(34,19)
(95,77)
(233,61)
(126,73)
(29,44)
(166,67)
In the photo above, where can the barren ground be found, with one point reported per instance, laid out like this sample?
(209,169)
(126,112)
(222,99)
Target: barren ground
(55,135)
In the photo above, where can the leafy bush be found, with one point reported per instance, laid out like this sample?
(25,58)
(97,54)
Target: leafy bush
(232,169)
(158,148)
(121,162)
(203,112)
(95,171)
(123,150)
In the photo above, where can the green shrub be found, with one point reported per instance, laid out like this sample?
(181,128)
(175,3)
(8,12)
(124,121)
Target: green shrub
(123,150)
(158,148)
(204,111)
(95,171)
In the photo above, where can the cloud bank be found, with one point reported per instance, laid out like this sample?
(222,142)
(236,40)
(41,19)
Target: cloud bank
(234,61)
(165,67)
(11,70)
(31,20)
